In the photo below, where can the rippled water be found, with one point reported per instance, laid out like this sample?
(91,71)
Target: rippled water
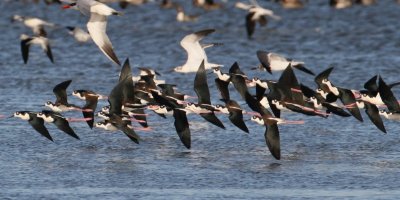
(325,158)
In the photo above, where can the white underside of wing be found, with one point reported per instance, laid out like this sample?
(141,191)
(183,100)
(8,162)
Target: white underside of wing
(277,62)
(195,55)
(97,29)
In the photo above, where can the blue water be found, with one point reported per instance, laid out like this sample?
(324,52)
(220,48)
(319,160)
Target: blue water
(324,158)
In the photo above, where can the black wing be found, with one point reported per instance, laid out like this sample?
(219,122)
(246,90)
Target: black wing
(125,71)
(236,116)
(323,75)
(38,124)
(60,91)
(210,117)
(263,58)
(201,86)
(223,88)
(348,99)
(388,97)
(25,49)
(260,91)
(47,50)
(335,110)
(63,125)
(273,140)
(250,25)
(182,127)
(89,109)
(115,98)
(131,134)
(286,83)
(373,114)
(371,85)
(123,126)
(303,68)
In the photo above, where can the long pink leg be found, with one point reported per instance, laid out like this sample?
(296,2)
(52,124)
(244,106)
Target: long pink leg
(189,97)
(295,90)
(79,119)
(139,114)
(83,110)
(293,122)
(143,129)
(136,120)
(352,105)
(252,113)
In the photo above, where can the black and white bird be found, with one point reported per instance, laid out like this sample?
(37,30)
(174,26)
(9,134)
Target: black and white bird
(255,14)
(235,112)
(346,96)
(118,123)
(36,122)
(373,114)
(271,134)
(203,94)
(388,97)
(57,119)
(321,103)
(195,52)
(27,41)
(81,94)
(89,108)
(36,24)
(97,24)
(222,82)
(61,104)
(181,122)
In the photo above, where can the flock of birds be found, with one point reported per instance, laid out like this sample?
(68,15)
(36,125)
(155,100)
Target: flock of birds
(133,98)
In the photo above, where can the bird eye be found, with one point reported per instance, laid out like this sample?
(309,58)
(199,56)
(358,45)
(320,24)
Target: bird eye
(162,106)
(40,114)
(17,113)
(218,106)
(312,98)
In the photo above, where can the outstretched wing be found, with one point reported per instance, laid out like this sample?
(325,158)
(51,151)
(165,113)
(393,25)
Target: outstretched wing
(97,29)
